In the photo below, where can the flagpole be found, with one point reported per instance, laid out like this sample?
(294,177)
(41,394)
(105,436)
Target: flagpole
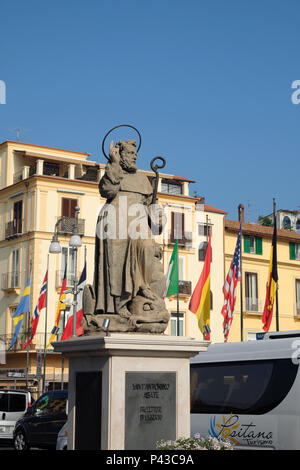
(276,298)
(177,289)
(241,270)
(45,332)
(207,240)
(28,326)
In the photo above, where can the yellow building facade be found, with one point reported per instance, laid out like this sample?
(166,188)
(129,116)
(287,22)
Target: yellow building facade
(40,185)
(256,250)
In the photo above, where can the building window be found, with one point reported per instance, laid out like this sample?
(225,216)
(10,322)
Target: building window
(204,230)
(295,251)
(251,292)
(202,251)
(286,223)
(177,226)
(181,270)
(11,312)
(177,324)
(18,210)
(64,317)
(169,186)
(298,297)
(298,225)
(15,268)
(252,244)
(68,264)
(68,207)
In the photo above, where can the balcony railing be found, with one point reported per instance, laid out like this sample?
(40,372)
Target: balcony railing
(38,341)
(14,228)
(184,241)
(253,305)
(65,226)
(91,174)
(185,287)
(60,278)
(11,280)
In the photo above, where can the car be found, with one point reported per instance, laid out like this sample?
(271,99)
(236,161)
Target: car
(13,405)
(40,425)
(62,438)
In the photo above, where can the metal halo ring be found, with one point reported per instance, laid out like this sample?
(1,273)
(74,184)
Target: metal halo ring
(121,125)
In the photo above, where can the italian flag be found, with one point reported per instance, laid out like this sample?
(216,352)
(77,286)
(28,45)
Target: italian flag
(172,274)
(200,300)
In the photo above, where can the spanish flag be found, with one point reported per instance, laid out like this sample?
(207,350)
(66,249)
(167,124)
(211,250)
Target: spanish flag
(200,300)
(61,306)
(272,283)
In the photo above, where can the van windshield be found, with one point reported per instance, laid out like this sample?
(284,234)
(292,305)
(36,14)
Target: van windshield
(12,402)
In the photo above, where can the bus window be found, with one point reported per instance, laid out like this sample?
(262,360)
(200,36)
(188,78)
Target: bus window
(245,387)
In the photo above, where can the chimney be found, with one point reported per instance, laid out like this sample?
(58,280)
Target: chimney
(241,213)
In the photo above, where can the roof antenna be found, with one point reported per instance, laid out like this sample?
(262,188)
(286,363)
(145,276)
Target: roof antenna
(248,211)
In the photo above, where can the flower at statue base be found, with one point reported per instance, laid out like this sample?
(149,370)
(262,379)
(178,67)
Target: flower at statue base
(195,443)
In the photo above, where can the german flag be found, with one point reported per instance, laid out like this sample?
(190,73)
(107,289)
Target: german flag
(200,300)
(272,283)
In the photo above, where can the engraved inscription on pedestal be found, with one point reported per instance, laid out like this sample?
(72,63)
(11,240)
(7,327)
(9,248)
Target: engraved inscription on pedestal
(150,409)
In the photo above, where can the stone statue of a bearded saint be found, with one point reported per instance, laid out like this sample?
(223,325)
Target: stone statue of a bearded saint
(128,280)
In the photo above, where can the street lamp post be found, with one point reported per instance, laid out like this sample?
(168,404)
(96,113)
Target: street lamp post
(75,242)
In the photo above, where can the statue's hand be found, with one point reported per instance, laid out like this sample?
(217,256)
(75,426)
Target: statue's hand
(114,153)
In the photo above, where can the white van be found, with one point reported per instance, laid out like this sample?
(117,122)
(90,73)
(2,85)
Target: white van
(13,405)
(249,392)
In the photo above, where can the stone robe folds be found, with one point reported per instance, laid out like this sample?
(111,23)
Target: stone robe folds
(123,264)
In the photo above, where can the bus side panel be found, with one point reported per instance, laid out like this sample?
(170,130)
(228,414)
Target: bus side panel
(241,430)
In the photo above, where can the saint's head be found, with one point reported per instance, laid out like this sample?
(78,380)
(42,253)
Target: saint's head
(128,155)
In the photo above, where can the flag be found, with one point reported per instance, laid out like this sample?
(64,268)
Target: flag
(172,274)
(200,299)
(230,286)
(272,283)
(41,303)
(68,331)
(61,306)
(22,308)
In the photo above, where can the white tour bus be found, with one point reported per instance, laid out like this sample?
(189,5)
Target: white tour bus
(249,392)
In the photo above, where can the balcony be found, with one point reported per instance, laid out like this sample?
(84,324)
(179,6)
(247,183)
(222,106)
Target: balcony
(14,228)
(185,241)
(60,277)
(253,305)
(185,287)
(65,226)
(11,280)
(36,344)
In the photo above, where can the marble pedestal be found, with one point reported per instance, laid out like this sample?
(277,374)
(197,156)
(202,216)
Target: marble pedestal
(127,391)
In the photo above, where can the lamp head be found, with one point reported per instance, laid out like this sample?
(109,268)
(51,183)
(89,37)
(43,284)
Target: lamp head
(54,245)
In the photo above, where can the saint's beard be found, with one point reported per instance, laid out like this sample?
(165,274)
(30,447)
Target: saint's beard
(130,167)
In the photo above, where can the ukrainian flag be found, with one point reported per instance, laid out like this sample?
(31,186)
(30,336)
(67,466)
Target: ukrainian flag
(22,308)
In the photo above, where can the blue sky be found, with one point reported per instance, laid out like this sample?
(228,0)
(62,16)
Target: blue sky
(207,83)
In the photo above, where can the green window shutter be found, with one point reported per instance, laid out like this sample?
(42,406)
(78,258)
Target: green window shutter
(292,251)
(258,245)
(246,244)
